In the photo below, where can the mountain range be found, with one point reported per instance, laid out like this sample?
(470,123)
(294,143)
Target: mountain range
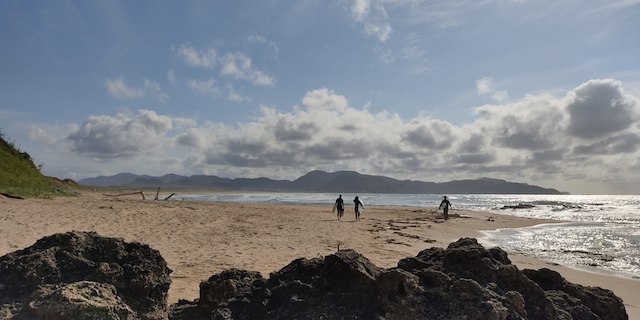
(320,181)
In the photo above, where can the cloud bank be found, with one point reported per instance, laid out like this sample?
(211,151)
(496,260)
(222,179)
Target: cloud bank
(588,132)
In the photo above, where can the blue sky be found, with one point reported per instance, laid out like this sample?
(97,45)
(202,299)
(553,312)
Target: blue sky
(541,92)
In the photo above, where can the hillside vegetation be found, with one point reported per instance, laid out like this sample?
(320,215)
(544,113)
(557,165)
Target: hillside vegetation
(19,176)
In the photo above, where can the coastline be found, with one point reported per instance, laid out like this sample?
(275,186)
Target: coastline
(199,239)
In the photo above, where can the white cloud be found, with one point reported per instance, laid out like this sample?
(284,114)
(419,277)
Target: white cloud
(236,65)
(212,88)
(325,99)
(121,91)
(204,59)
(374,17)
(208,86)
(122,135)
(360,9)
(270,44)
(234,96)
(49,135)
(240,66)
(486,87)
(381,31)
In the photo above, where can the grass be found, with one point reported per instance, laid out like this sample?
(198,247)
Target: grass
(20,177)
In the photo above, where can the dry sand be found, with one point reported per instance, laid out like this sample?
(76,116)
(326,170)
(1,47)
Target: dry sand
(199,239)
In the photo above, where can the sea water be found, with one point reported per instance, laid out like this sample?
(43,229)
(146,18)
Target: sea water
(600,233)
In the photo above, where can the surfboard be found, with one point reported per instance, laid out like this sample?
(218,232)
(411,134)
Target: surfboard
(335,205)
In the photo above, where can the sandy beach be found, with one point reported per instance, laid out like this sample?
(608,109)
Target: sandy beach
(199,239)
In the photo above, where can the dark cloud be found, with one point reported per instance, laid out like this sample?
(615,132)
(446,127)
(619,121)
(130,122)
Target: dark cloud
(434,136)
(548,155)
(191,138)
(483,170)
(348,127)
(246,145)
(338,149)
(627,143)
(549,162)
(412,163)
(239,160)
(599,109)
(394,151)
(518,134)
(473,158)
(287,131)
(473,144)
(253,160)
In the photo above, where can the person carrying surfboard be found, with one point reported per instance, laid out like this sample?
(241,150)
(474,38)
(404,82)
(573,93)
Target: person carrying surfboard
(359,207)
(339,206)
(445,205)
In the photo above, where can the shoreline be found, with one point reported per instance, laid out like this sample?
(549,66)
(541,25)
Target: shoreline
(201,238)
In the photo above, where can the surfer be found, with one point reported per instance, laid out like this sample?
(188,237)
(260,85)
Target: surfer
(339,206)
(445,205)
(359,207)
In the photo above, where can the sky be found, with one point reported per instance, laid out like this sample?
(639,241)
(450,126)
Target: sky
(543,92)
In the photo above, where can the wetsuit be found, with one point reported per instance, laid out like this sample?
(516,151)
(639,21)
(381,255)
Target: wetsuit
(445,209)
(357,202)
(340,207)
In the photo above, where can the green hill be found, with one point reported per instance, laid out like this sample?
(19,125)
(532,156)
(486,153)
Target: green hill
(19,176)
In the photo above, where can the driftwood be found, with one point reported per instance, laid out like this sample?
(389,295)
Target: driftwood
(166,198)
(157,197)
(126,194)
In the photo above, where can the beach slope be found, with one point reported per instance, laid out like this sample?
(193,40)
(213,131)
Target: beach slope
(199,239)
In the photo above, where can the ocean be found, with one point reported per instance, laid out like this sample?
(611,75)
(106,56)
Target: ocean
(599,233)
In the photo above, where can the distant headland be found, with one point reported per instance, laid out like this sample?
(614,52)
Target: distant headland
(320,181)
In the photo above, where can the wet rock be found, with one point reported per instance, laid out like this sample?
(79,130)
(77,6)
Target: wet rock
(463,281)
(138,273)
(518,206)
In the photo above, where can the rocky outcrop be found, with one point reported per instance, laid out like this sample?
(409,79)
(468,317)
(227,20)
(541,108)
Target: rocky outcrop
(84,276)
(582,302)
(130,280)
(464,281)
(79,301)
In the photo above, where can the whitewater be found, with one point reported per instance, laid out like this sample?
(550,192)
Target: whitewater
(598,233)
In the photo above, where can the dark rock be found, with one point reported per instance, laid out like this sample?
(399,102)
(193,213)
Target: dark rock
(138,273)
(239,291)
(518,206)
(602,302)
(491,269)
(399,294)
(82,300)
(84,276)
(464,281)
